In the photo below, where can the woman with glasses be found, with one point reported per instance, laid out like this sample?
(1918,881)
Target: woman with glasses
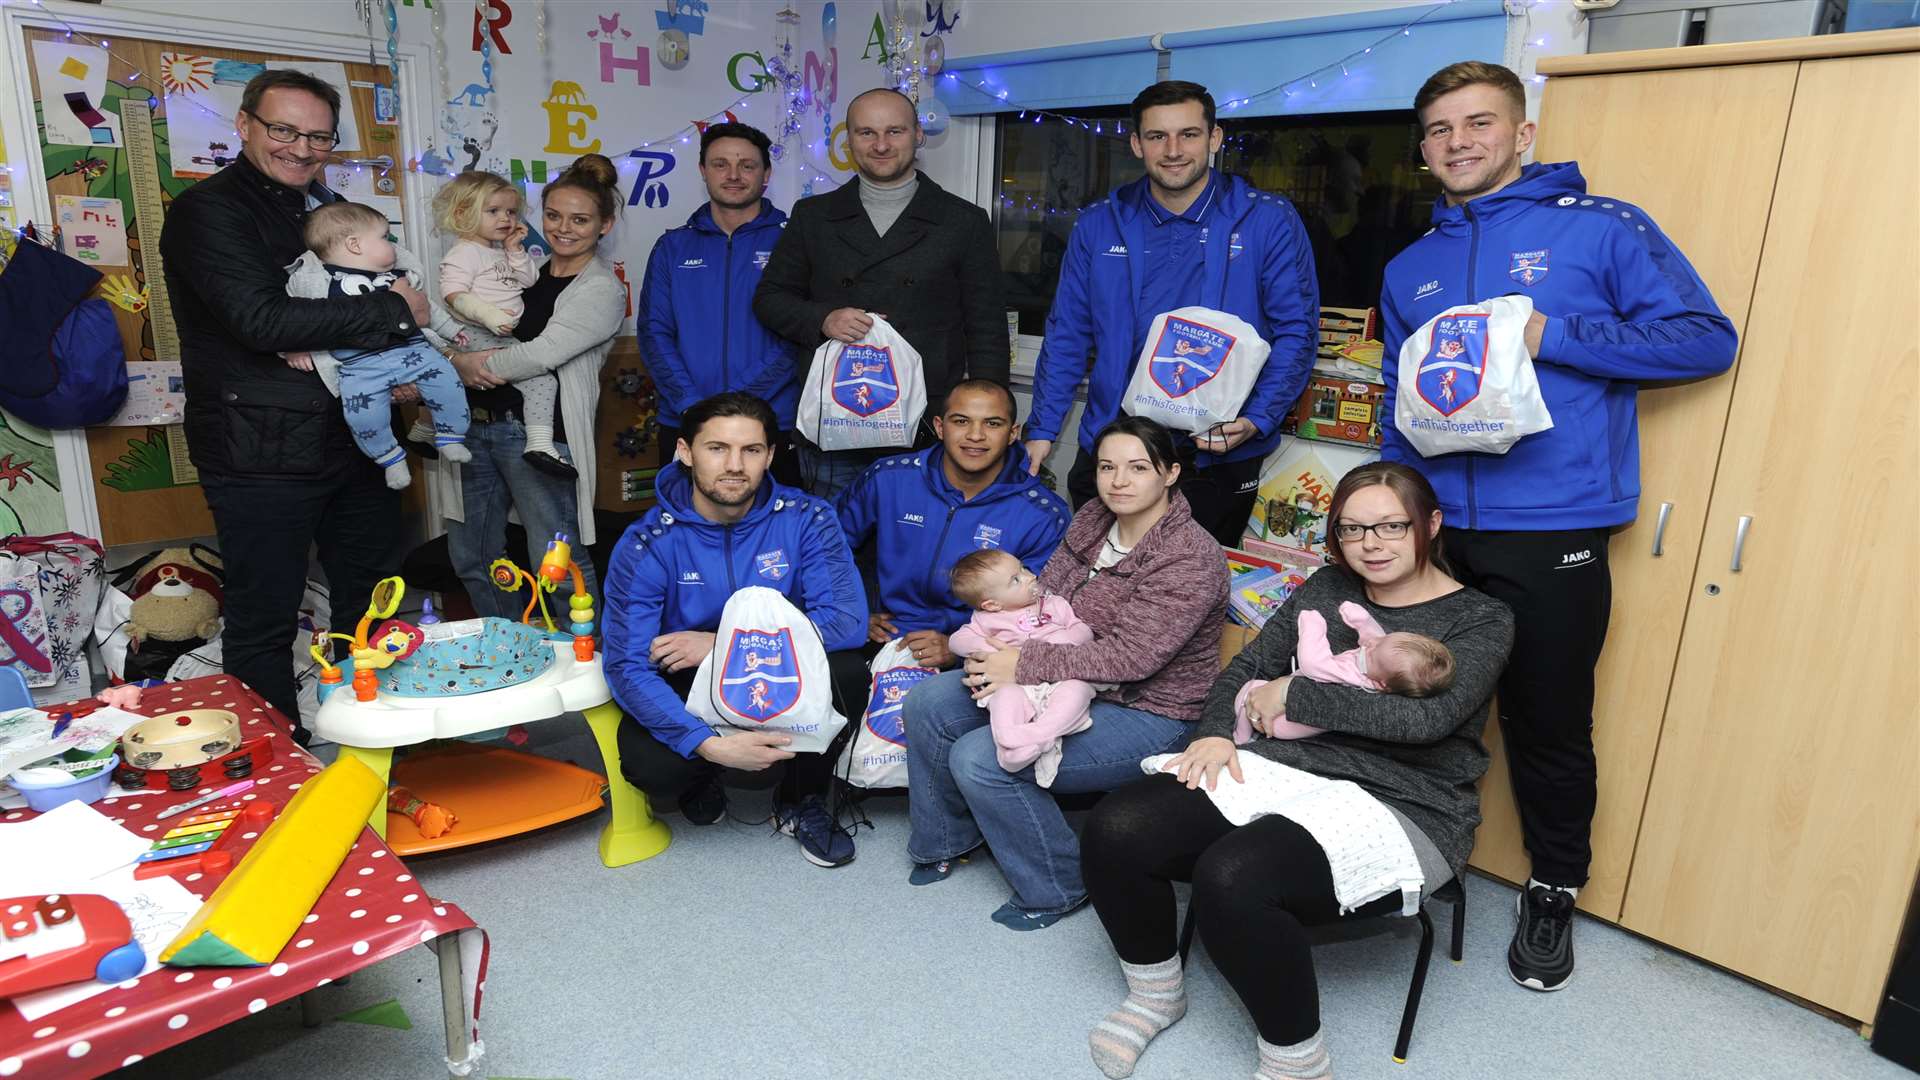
(1150,582)
(1261,876)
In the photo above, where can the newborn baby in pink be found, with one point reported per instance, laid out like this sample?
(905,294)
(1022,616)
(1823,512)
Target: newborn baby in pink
(1412,665)
(1029,720)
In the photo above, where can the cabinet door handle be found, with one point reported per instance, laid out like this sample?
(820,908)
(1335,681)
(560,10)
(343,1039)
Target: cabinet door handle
(1660,528)
(1740,539)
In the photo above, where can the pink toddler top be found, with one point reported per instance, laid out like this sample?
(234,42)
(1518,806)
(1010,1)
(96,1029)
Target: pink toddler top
(493,274)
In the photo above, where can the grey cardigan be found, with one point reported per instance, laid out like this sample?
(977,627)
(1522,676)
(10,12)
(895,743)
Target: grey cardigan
(574,346)
(1422,757)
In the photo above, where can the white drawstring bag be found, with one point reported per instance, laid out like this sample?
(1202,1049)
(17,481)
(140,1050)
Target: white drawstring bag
(1196,369)
(1467,381)
(877,755)
(767,672)
(867,395)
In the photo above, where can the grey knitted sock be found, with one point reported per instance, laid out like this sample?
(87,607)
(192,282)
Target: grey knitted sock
(1305,1060)
(1155,999)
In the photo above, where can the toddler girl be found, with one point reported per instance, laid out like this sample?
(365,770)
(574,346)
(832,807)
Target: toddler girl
(482,277)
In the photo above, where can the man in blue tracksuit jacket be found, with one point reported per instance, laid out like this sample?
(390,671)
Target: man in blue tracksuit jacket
(1182,235)
(698,334)
(924,511)
(1615,305)
(721,525)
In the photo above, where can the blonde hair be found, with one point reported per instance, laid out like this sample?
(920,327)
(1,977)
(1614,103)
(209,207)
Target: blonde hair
(457,206)
(331,224)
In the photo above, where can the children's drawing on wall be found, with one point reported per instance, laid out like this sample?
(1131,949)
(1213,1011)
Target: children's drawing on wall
(202,100)
(73,89)
(30,500)
(91,230)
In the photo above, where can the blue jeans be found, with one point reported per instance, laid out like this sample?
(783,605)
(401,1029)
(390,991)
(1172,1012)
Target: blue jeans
(959,796)
(499,479)
(826,473)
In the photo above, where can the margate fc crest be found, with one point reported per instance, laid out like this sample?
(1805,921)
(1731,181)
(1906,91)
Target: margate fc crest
(1529,268)
(1456,360)
(1188,356)
(761,678)
(864,381)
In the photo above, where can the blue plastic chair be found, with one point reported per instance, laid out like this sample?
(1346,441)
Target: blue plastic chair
(13,690)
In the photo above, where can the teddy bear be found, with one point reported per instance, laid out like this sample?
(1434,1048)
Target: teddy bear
(173,609)
(177,594)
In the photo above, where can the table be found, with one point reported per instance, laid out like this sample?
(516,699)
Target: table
(371,730)
(371,910)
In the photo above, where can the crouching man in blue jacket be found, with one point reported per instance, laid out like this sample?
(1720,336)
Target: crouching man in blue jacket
(1615,304)
(925,511)
(717,520)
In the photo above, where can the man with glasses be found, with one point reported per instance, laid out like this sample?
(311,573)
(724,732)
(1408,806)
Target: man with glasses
(892,243)
(1615,304)
(276,461)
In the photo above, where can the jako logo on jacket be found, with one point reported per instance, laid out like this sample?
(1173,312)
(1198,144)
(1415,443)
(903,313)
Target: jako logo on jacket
(1097,311)
(921,526)
(1622,306)
(674,570)
(697,332)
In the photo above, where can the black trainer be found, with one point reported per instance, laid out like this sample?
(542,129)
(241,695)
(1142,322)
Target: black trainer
(1541,956)
(705,802)
(550,462)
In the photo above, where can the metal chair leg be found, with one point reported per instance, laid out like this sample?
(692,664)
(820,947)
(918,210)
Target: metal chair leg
(1459,921)
(1413,991)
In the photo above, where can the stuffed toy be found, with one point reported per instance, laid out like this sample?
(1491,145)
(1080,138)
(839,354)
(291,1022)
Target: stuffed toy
(177,595)
(174,609)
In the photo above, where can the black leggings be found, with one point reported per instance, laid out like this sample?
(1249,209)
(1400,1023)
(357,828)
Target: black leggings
(1256,888)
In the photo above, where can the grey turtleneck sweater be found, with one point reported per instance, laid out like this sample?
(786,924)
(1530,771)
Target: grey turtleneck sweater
(884,205)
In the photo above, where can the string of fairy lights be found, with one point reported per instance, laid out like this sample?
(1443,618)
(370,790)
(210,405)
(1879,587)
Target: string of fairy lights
(782,83)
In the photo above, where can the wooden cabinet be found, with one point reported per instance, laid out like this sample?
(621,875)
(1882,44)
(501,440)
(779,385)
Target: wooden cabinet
(1757,729)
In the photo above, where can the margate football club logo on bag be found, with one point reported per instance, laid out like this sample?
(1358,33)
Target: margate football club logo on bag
(864,381)
(1473,383)
(890,688)
(761,678)
(876,756)
(1456,360)
(1195,369)
(1188,356)
(863,395)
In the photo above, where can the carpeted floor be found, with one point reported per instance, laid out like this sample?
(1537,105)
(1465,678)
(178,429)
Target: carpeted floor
(729,956)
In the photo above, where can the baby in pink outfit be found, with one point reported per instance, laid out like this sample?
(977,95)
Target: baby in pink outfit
(1412,665)
(1030,720)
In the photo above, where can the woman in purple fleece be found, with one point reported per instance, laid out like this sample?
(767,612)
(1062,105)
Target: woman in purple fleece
(1151,583)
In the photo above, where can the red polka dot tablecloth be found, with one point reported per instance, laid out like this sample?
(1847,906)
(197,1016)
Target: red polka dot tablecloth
(372,909)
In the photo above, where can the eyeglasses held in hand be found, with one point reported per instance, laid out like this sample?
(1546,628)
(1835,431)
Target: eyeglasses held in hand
(322,141)
(1385,530)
